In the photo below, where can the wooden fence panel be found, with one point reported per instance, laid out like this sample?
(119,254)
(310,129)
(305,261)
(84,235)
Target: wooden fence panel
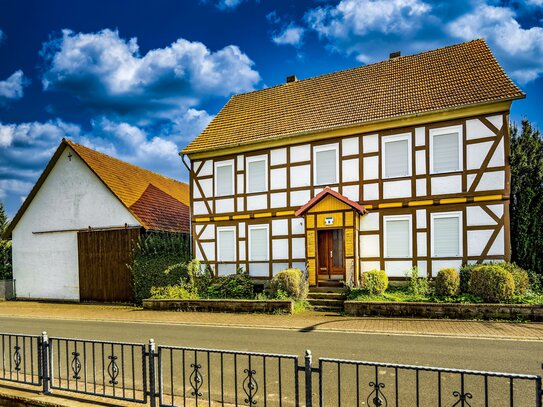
(103,264)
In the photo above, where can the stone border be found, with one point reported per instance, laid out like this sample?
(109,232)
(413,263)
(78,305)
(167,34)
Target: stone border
(219,305)
(526,312)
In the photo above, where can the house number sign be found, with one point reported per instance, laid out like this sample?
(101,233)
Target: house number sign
(329,220)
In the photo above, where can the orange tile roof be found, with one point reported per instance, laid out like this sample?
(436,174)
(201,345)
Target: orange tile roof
(450,77)
(157,202)
(147,195)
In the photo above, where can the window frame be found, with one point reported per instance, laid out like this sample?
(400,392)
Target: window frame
(387,218)
(319,149)
(226,229)
(224,163)
(442,215)
(439,131)
(249,239)
(392,138)
(255,158)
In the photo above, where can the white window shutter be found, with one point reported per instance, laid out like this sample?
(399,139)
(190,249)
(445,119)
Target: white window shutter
(397,238)
(447,237)
(445,152)
(258,240)
(224,181)
(227,245)
(257,176)
(396,158)
(326,167)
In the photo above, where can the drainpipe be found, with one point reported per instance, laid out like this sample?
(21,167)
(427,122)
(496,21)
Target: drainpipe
(187,166)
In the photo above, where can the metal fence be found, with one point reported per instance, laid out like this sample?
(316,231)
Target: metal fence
(170,376)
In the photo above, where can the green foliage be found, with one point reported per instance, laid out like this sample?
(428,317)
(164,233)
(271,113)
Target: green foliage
(235,286)
(492,283)
(418,286)
(160,260)
(173,292)
(375,281)
(289,283)
(6,269)
(447,282)
(465,277)
(527,197)
(520,277)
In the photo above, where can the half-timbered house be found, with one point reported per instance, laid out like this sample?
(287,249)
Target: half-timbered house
(392,165)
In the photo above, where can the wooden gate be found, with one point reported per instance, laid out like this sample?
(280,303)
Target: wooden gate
(103,264)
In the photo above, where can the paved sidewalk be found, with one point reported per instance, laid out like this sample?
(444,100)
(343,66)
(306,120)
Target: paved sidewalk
(306,321)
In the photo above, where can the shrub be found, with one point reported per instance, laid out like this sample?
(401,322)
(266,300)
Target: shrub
(492,283)
(375,281)
(236,286)
(465,277)
(417,285)
(520,276)
(447,282)
(172,292)
(289,283)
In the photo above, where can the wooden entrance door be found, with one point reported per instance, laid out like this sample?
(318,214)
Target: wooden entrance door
(103,259)
(330,252)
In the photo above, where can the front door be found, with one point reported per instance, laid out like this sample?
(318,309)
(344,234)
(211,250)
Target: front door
(330,254)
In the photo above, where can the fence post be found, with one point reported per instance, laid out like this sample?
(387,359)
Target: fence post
(308,379)
(44,344)
(152,381)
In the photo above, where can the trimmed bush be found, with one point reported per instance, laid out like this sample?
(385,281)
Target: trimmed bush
(375,281)
(492,283)
(447,282)
(465,277)
(290,283)
(417,285)
(520,276)
(234,286)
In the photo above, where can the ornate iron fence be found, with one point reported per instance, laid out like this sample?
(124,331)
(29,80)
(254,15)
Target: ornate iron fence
(171,376)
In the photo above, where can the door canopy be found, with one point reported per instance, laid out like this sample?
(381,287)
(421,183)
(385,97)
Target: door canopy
(335,195)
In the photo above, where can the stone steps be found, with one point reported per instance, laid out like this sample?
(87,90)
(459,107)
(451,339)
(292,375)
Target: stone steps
(322,300)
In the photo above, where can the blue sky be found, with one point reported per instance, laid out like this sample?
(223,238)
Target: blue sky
(139,79)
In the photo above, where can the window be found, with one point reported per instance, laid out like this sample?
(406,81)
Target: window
(226,243)
(326,164)
(258,243)
(397,156)
(446,234)
(224,178)
(257,174)
(398,236)
(445,149)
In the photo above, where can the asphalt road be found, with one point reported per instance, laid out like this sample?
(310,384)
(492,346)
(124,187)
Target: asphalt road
(452,352)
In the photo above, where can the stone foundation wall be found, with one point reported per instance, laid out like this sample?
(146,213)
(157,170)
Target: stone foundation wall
(263,306)
(445,310)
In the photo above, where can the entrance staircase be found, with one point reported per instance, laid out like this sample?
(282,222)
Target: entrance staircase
(326,299)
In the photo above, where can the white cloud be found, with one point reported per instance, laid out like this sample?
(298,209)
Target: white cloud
(2,36)
(291,35)
(228,4)
(108,73)
(519,49)
(12,87)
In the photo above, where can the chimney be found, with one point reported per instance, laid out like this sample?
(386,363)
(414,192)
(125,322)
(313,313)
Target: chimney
(291,78)
(395,54)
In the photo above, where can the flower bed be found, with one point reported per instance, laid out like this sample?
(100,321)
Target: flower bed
(528,312)
(221,305)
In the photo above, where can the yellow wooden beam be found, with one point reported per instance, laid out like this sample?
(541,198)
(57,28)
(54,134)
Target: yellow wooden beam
(487,198)
(420,203)
(452,200)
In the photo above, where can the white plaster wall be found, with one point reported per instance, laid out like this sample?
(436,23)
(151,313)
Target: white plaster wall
(420,136)
(207,187)
(300,153)
(241,163)
(72,197)
(420,187)
(476,154)
(278,178)
(279,249)
(476,216)
(241,204)
(300,176)
(226,269)
(442,264)
(369,245)
(259,269)
(298,247)
(277,267)
(255,202)
(422,265)
(371,168)
(209,250)
(476,129)
(278,156)
(369,221)
(278,200)
(208,233)
(371,192)
(420,162)
(299,198)
(370,265)
(490,181)
(397,189)
(397,268)
(421,218)
(240,183)
(498,158)
(298,226)
(350,170)
(349,146)
(421,244)
(242,250)
(352,192)
(477,240)
(370,143)
(279,227)
(199,208)
(299,265)
(207,168)
(496,120)
(446,185)
(224,205)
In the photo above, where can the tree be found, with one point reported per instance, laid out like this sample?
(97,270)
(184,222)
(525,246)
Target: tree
(527,197)
(5,248)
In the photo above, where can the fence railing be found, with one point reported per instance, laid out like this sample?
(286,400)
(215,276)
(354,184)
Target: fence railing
(171,376)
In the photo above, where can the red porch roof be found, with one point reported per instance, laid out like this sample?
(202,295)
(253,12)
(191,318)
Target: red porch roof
(329,191)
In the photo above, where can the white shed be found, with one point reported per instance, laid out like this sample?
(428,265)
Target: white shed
(87,201)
